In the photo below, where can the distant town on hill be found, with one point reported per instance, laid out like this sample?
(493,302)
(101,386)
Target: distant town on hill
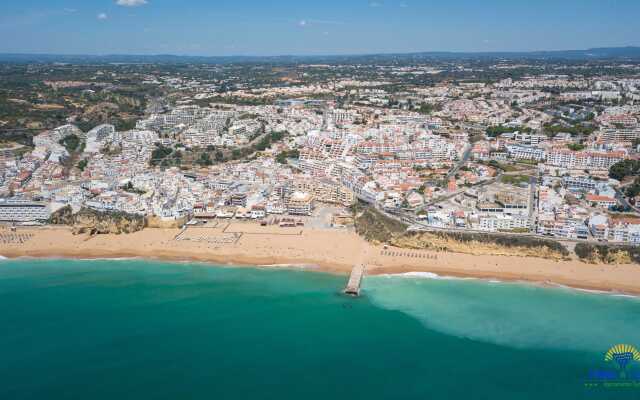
(603,53)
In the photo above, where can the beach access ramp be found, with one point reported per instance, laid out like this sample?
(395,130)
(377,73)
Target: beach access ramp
(355,280)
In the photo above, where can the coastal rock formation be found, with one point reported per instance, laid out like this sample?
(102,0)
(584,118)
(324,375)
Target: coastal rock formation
(483,244)
(607,254)
(376,227)
(98,222)
(63,216)
(157,222)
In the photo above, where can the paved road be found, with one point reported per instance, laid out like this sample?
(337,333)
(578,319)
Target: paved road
(533,182)
(622,199)
(463,160)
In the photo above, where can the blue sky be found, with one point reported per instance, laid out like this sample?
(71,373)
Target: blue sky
(276,27)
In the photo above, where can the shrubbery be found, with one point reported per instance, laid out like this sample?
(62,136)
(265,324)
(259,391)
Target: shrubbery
(607,253)
(504,240)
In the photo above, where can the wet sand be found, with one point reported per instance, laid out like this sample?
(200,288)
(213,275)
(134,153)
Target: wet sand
(330,250)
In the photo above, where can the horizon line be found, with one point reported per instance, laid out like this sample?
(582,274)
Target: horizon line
(282,55)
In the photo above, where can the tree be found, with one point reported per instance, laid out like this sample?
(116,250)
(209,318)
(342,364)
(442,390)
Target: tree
(71,142)
(294,154)
(634,189)
(159,155)
(575,146)
(495,131)
(204,159)
(282,157)
(623,169)
(82,164)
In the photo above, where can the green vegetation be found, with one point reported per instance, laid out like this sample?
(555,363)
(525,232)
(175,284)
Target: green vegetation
(376,227)
(132,189)
(248,116)
(40,97)
(94,222)
(204,160)
(624,168)
(451,241)
(527,162)
(282,156)
(576,146)
(519,230)
(495,131)
(241,101)
(633,190)
(608,254)
(266,142)
(186,158)
(552,130)
(82,164)
(516,180)
(428,108)
(160,154)
(504,167)
(71,142)
(110,150)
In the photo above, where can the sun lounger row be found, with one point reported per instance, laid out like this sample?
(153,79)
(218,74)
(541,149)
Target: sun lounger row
(13,238)
(210,239)
(408,254)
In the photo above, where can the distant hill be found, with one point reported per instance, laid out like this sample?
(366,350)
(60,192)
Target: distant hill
(604,53)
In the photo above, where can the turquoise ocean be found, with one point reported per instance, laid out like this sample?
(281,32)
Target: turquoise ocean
(133,329)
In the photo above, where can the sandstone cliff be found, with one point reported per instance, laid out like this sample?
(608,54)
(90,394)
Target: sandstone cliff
(97,222)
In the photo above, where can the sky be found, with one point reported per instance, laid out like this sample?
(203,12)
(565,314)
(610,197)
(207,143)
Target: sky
(297,27)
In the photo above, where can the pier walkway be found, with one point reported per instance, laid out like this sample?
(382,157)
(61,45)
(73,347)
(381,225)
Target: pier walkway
(355,280)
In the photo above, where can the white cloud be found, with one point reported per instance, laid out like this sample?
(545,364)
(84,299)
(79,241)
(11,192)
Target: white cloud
(375,4)
(403,5)
(131,3)
(102,16)
(311,22)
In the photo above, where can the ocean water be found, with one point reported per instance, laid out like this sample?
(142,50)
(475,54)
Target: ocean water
(131,329)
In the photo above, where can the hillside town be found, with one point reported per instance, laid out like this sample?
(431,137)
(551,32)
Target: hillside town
(553,154)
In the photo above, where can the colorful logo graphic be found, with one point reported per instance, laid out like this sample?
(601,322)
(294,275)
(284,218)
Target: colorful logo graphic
(625,358)
(622,355)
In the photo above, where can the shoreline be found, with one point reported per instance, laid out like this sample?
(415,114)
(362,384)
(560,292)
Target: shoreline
(390,272)
(331,251)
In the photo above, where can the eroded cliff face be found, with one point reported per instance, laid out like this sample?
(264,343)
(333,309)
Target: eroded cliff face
(480,244)
(96,222)
(604,253)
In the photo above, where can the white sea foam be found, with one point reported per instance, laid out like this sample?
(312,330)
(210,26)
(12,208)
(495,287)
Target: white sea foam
(514,315)
(422,275)
(595,291)
(628,296)
(289,266)
(432,275)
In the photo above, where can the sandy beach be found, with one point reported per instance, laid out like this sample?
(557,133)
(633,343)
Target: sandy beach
(330,250)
